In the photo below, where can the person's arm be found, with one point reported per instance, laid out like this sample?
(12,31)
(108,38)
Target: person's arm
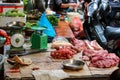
(74,5)
(62,5)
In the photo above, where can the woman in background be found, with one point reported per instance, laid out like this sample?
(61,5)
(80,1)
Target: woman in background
(63,5)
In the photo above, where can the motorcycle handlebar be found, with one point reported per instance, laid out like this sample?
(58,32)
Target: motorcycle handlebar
(89,19)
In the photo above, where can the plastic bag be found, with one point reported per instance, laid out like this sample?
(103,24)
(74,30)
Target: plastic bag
(44,22)
(77,27)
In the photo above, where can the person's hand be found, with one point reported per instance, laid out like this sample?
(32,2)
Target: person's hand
(73,5)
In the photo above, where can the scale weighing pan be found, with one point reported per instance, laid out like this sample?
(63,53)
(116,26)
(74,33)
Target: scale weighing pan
(15,25)
(38,28)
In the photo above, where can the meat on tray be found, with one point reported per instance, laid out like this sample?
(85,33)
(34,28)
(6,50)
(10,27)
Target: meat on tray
(100,58)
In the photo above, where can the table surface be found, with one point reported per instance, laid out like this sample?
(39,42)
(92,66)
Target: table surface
(63,29)
(45,62)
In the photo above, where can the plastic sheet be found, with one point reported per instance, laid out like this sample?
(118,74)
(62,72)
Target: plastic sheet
(44,22)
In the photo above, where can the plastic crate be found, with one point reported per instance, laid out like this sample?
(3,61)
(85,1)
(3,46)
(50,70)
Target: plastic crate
(4,20)
(4,7)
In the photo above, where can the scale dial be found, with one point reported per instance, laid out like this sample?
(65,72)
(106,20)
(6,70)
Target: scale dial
(17,40)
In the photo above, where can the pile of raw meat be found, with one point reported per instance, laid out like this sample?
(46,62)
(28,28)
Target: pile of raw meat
(94,53)
(63,53)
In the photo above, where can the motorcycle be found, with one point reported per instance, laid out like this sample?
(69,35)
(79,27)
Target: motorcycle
(103,24)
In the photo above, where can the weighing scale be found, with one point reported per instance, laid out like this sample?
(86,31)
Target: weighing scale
(17,38)
(39,39)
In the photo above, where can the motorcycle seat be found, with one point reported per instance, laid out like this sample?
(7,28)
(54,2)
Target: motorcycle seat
(112,32)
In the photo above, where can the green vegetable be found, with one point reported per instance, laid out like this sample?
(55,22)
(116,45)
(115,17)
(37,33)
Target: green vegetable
(14,10)
(14,13)
(53,20)
(28,25)
(21,14)
(25,2)
(8,14)
(1,14)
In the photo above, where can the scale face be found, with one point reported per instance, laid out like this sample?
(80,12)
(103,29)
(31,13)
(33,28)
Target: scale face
(17,40)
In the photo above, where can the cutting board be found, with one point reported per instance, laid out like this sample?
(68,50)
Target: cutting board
(63,29)
(101,71)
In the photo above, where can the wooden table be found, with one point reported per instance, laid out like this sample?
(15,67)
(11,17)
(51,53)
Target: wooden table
(45,62)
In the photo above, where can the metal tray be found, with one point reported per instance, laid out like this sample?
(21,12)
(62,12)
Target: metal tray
(73,64)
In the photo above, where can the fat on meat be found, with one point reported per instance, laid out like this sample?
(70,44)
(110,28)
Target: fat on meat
(90,52)
(85,58)
(93,45)
(102,53)
(85,44)
(88,45)
(78,44)
(75,41)
(114,57)
(98,64)
(105,61)
(96,58)
(112,62)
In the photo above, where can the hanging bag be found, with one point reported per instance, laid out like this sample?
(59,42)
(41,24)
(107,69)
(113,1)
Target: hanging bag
(44,22)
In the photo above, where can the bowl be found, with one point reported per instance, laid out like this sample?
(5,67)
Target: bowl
(73,64)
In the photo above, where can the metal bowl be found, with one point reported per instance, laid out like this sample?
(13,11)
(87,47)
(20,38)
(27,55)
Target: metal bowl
(73,64)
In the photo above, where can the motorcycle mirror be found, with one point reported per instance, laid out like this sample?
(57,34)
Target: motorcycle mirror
(97,1)
(92,7)
(104,5)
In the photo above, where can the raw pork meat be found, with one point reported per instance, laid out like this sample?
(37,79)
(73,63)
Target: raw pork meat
(100,58)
